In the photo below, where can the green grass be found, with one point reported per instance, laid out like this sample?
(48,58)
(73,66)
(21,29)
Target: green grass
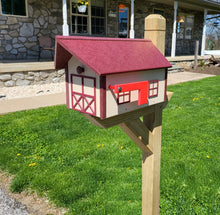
(93,171)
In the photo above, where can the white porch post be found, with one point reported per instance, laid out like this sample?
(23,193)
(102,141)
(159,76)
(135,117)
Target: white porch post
(204,33)
(65,25)
(132,20)
(173,50)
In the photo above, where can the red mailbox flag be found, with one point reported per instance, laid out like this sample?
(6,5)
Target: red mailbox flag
(142,87)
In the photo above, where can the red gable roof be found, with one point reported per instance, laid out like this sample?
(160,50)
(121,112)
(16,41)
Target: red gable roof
(109,55)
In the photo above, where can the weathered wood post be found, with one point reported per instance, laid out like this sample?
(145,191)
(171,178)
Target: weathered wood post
(155,30)
(196,54)
(155,27)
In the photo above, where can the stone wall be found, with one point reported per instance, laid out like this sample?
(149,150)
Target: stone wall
(112,18)
(19,35)
(31,78)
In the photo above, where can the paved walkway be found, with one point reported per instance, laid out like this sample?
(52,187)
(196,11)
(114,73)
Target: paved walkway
(36,96)
(180,77)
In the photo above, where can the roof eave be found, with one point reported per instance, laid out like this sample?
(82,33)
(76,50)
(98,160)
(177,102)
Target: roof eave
(213,7)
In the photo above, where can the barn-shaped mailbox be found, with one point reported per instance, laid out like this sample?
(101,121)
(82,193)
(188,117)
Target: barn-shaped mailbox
(106,77)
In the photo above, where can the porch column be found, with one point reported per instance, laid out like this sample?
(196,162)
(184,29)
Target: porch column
(204,33)
(65,25)
(173,50)
(132,20)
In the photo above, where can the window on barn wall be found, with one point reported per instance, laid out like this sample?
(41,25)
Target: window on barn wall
(124,97)
(90,22)
(13,7)
(185,26)
(153,88)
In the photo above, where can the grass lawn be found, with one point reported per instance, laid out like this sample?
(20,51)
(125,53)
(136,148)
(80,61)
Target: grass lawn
(93,171)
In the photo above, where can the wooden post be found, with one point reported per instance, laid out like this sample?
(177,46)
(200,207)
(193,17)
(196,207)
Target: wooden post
(196,54)
(155,30)
(151,165)
(155,27)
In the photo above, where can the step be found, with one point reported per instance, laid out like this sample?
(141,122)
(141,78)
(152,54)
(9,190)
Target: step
(175,68)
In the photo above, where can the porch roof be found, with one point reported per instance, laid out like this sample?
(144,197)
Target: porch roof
(109,55)
(213,6)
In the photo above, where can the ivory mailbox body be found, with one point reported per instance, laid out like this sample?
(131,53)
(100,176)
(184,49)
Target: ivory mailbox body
(106,77)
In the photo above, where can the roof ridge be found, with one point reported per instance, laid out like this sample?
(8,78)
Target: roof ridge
(106,56)
(101,38)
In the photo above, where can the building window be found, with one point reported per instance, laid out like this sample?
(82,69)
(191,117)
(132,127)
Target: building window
(79,20)
(13,7)
(124,97)
(185,26)
(98,18)
(158,11)
(153,88)
(90,22)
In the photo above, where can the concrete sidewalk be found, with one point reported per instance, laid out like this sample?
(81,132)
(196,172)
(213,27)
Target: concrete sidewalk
(180,77)
(28,103)
(18,104)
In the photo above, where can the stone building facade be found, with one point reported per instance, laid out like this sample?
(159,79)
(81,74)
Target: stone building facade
(19,34)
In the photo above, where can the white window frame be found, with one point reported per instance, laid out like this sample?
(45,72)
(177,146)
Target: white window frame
(26,10)
(89,17)
(81,15)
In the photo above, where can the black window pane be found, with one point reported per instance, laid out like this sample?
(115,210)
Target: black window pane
(102,12)
(97,22)
(74,8)
(79,28)
(14,7)
(93,30)
(73,28)
(160,12)
(79,19)
(84,29)
(102,22)
(102,30)
(84,20)
(93,11)
(6,7)
(98,12)
(93,21)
